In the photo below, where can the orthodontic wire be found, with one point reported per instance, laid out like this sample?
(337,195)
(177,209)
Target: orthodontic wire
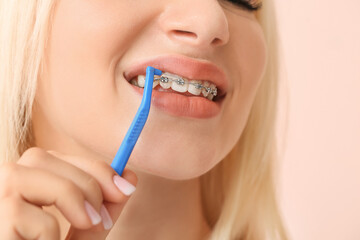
(181,81)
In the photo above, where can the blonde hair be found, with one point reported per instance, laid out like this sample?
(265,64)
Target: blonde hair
(239,194)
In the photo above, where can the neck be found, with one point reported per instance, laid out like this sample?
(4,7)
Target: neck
(162,209)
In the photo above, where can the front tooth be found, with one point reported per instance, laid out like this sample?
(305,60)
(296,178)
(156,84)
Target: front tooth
(193,89)
(141,81)
(165,85)
(180,85)
(204,90)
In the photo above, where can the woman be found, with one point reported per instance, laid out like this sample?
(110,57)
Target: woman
(203,165)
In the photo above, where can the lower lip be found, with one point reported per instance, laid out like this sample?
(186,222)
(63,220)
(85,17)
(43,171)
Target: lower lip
(183,106)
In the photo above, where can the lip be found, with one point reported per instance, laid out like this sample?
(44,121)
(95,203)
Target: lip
(177,104)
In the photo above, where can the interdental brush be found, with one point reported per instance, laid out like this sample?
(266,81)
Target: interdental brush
(133,133)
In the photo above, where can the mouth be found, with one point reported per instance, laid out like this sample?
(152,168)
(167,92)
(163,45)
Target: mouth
(187,87)
(169,82)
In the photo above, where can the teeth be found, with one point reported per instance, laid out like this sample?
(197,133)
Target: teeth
(134,82)
(205,90)
(212,86)
(196,90)
(156,82)
(165,82)
(141,80)
(179,84)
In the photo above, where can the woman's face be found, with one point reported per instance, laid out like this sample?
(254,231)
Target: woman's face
(84,104)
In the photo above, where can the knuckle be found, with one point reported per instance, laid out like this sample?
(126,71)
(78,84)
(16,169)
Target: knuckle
(32,156)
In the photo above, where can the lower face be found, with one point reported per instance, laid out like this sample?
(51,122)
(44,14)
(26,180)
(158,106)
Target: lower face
(84,105)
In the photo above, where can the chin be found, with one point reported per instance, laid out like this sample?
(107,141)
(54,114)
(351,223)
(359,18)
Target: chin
(175,167)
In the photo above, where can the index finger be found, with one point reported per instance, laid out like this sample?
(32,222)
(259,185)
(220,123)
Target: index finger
(107,178)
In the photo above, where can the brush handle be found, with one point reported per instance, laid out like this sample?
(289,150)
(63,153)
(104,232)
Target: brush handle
(137,125)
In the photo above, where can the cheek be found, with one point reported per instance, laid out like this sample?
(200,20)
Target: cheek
(77,91)
(249,48)
(84,45)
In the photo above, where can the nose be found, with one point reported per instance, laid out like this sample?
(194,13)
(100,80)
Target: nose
(198,23)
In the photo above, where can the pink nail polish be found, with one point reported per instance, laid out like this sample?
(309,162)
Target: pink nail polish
(107,221)
(92,213)
(123,185)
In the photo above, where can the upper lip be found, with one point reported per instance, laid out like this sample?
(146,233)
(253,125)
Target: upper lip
(183,66)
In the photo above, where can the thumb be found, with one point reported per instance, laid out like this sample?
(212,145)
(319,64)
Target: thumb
(109,215)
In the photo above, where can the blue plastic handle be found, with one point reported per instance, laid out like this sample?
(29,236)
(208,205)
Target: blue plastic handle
(133,133)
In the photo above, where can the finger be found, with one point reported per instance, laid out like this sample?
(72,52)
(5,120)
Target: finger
(43,188)
(25,221)
(98,234)
(113,188)
(72,169)
(39,158)
(113,212)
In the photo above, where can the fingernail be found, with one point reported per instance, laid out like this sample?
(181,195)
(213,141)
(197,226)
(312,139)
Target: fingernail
(94,216)
(107,221)
(123,185)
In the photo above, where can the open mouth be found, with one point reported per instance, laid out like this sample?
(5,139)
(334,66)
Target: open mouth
(172,83)
(187,87)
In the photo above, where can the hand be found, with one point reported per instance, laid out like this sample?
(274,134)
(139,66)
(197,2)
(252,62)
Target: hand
(86,192)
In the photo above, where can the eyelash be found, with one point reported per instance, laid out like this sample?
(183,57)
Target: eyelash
(246,4)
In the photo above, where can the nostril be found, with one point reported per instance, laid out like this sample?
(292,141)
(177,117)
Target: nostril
(180,33)
(217,41)
(193,37)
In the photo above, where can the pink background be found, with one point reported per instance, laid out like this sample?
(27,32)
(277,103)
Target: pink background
(320,175)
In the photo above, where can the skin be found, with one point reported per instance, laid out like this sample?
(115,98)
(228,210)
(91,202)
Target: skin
(84,107)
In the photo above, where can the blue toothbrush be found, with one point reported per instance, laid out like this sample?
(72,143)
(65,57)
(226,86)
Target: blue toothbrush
(137,124)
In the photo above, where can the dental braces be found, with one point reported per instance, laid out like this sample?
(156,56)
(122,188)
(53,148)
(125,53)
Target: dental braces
(166,77)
